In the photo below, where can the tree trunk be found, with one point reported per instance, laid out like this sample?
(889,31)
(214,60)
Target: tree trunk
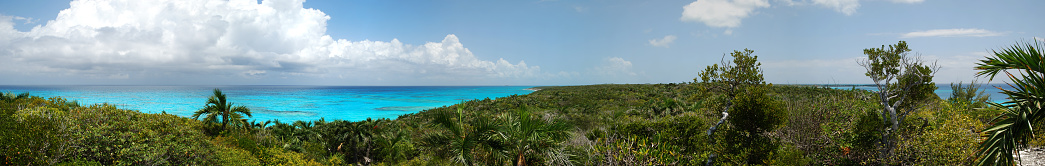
(520,161)
(888,143)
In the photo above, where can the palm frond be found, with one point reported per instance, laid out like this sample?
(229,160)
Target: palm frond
(1014,128)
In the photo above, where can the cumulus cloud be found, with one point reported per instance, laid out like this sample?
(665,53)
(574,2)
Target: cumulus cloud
(663,42)
(951,33)
(125,38)
(721,13)
(615,67)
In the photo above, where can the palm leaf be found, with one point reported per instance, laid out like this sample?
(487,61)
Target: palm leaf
(1014,128)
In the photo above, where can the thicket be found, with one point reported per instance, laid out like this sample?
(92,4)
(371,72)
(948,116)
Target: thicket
(660,124)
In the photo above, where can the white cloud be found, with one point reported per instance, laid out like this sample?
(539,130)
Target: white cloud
(721,13)
(127,38)
(663,42)
(951,33)
(615,67)
(1039,39)
(847,7)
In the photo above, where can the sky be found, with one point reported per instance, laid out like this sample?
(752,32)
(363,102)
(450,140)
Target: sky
(466,42)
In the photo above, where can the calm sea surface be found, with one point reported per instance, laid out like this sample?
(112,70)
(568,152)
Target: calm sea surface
(944,90)
(285,103)
(291,103)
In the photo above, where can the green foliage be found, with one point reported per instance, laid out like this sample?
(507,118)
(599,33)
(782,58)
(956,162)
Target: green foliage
(900,75)
(278,156)
(464,138)
(743,71)
(970,96)
(971,99)
(787,155)
(218,106)
(945,136)
(904,85)
(752,113)
(822,122)
(1013,128)
(229,155)
(657,124)
(8,96)
(55,131)
(639,151)
(528,139)
(868,130)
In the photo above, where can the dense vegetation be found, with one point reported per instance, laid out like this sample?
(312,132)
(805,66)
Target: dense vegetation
(582,125)
(635,124)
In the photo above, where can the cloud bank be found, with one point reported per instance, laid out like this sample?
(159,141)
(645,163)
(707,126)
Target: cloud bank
(125,39)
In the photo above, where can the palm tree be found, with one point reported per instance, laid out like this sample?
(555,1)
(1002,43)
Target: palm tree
(466,137)
(1013,129)
(217,106)
(527,136)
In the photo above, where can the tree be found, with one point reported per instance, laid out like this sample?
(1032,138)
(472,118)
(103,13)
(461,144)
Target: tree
(526,135)
(903,83)
(1013,129)
(11,96)
(754,112)
(968,96)
(466,136)
(217,106)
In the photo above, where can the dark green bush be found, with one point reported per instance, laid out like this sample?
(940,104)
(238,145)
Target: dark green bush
(866,131)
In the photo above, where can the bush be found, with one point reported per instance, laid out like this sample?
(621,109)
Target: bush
(866,131)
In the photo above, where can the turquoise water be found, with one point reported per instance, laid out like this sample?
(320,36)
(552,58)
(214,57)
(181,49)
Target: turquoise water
(944,90)
(285,103)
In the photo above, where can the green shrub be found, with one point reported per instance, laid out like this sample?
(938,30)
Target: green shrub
(278,156)
(866,130)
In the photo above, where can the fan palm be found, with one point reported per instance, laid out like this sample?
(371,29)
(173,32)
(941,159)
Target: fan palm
(1013,129)
(527,136)
(466,136)
(217,106)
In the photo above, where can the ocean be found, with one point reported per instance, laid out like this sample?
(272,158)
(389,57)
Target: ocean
(292,103)
(944,90)
(285,103)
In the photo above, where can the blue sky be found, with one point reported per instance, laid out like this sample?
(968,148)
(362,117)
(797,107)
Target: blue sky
(291,42)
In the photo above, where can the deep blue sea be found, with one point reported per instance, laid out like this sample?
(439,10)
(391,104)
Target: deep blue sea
(285,103)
